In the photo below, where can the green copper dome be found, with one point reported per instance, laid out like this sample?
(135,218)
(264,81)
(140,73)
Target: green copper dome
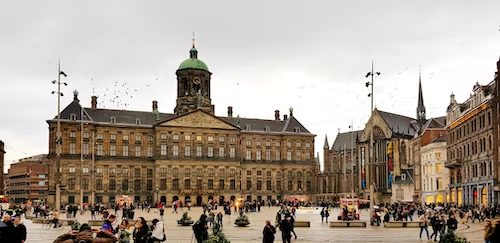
(193,61)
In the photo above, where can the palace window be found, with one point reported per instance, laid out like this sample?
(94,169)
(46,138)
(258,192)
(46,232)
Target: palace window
(187,137)
(210,138)
(249,185)
(112,137)
(137,185)
(221,184)
(137,172)
(210,184)
(298,144)
(138,138)
(112,150)
(163,150)
(100,136)
(100,150)
(259,155)
(308,186)
(85,184)
(290,185)
(72,148)
(163,184)
(163,136)
(268,143)
(222,139)
(175,150)
(85,149)
(308,155)
(72,134)
(249,172)
(71,184)
(232,185)
(99,170)
(85,170)
(112,184)
(268,155)
(289,144)
(198,138)
(125,170)
(125,150)
(175,184)
(278,155)
(198,151)
(85,135)
(299,155)
(199,184)
(268,173)
(137,151)
(98,184)
(150,151)
(259,143)
(269,186)
(125,137)
(278,185)
(112,170)
(249,155)
(112,120)
(187,150)
(308,145)
(71,170)
(259,185)
(149,185)
(175,137)
(249,142)
(150,138)
(221,152)
(277,144)
(232,152)
(232,139)
(175,171)
(289,155)
(210,152)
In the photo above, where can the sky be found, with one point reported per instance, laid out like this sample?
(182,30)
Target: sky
(264,56)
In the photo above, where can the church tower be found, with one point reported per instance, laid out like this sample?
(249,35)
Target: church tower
(193,85)
(421,118)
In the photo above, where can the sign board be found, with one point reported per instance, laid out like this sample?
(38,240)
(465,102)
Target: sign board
(124,199)
(308,210)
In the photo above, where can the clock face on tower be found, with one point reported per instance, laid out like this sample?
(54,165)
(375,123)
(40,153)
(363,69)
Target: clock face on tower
(196,80)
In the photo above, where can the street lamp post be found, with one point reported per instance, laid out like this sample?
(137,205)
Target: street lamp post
(371,154)
(352,159)
(58,136)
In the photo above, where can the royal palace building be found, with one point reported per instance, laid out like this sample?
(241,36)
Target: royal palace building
(470,148)
(188,155)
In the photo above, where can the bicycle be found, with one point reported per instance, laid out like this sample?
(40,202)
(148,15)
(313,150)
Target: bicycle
(60,225)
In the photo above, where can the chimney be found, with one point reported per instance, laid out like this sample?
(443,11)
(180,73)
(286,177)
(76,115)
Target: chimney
(277,115)
(155,105)
(213,109)
(285,117)
(94,102)
(229,112)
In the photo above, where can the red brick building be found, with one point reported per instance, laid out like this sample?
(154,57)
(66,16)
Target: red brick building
(27,180)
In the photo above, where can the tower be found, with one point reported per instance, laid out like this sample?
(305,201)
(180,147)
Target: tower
(193,85)
(2,153)
(421,118)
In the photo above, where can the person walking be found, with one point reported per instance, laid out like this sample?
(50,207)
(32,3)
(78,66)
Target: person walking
(268,233)
(286,229)
(19,231)
(200,229)
(423,222)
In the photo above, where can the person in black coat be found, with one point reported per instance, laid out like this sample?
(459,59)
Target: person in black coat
(6,232)
(200,229)
(18,231)
(286,229)
(141,231)
(268,232)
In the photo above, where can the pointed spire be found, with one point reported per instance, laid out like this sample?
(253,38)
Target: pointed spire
(326,146)
(193,53)
(421,118)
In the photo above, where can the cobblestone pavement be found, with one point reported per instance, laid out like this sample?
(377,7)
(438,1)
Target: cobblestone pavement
(318,232)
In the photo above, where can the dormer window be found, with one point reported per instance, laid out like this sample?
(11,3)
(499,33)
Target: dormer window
(113,119)
(137,121)
(267,129)
(296,129)
(403,176)
(72,117)
(247,127)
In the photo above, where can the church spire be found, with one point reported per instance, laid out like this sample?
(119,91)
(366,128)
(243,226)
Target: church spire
(421,118)
(326,146)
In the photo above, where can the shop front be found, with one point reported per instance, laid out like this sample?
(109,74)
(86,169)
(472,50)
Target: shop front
(473,193)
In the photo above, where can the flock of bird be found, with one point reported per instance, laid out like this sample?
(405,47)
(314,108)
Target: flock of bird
(118,94)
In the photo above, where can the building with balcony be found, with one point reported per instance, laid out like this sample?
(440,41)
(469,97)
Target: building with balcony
(27,180)
(189,155)
(470,150)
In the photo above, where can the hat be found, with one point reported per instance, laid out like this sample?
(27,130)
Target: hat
(85,227)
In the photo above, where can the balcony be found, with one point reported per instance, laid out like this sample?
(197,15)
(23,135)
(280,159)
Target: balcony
(454,163)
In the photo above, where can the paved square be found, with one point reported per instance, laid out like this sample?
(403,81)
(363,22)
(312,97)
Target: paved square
(318,232)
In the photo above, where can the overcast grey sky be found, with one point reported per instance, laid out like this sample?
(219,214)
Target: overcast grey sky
(264,55)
